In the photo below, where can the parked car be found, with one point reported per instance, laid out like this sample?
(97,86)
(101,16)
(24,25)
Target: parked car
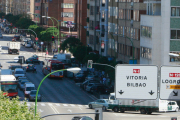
(100,103)
(21,59)
(32,95)
(30,67)
(19,72)
(27,88)
(84,84)
(79,78)
(28,44)
(1,36)
(33,59)
(81,118)
(90,85)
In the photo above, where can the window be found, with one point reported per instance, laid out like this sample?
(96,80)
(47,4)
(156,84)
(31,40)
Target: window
(37,7)
(37,0)
(145,52)
(66,14)
(146,31)
(67,5)
(175,34)
(63,24)
(122,13)
(91,10)
(175,57)
(136,15)
(175,11)
(91,39)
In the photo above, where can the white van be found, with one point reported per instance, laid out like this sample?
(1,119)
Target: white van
(19,72)
(27,88)
(5,72)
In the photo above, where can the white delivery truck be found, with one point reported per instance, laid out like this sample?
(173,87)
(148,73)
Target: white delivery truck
(144,106)
(62,56)
(6,72)
(13,47)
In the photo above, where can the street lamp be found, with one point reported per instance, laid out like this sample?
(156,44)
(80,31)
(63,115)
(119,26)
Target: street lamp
(74,70)
(51,20)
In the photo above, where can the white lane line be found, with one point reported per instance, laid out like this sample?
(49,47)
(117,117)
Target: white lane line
(80,108)
(53,108)
(65,105)
(115,114)
(72,105)
(42,104)
(86,105)
(57,104)
(80,105)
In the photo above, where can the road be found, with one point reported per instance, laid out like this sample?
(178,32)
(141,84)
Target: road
(64,96)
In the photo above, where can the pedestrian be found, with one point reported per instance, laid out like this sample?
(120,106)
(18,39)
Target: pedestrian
(104,80)
(34,70)
(53,51)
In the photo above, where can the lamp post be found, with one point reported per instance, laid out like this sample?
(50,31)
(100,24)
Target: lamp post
(51,20)
(74,70)
(131,43)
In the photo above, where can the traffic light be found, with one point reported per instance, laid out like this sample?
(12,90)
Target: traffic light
(174,118)
(16,30)
(52,38)
(89,65)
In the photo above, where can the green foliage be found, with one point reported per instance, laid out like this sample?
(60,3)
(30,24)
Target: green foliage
(36,29)
(2,14)
(14,110)
(8,17)
(45,36)
(53,29)
(24,23)
(70,43)
(80,52)
(14,19)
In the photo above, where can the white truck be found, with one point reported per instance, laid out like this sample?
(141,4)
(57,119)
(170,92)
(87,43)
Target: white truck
(144,106)
(63,57)
(14,47)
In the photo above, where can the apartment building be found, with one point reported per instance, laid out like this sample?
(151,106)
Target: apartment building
(160,33)
(18,7)
(124,29)
(93,24)
(81,20)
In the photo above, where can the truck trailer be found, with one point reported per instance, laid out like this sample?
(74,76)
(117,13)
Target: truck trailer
(14,48)
(144,106)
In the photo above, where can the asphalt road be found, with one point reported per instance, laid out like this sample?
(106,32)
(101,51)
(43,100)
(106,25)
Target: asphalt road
(63,96)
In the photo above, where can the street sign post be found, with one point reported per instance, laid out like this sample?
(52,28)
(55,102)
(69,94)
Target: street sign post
(136,82)
(170,83)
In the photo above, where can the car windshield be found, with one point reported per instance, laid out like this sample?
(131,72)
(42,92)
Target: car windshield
(19,72)
(57,66)
(30,65)
(9,88)
(30,88)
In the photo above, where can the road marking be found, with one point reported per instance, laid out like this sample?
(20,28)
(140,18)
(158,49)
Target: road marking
(69,110)
(53,108)
(65,104)
(115,114)
(40,110)
(28,104)
(86,105)
(80,108)
(42,104)
(72,105)
(57,104)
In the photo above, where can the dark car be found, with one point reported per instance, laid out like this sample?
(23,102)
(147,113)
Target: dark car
(84,84)
(13,67)
(19,81)
(21,59)
(30,67)
(29,60)
(32,96)
(17,37)
(32,60)
(102,89)
(21,84)
(79,78)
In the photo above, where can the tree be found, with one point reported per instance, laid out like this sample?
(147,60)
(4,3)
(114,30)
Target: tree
(80,52)
(45,36)
(36,29)
(2,14)
(70,43)
(14,110)
(24,23)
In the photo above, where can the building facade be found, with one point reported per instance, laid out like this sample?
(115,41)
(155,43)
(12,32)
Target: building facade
(160,33)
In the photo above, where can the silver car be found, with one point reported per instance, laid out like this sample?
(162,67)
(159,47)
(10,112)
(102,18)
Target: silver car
(32,96)
(100,103)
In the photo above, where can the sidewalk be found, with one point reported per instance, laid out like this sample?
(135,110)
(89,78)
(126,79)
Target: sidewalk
(43,54)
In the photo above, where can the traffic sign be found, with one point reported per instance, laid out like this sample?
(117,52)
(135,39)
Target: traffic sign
(136,82)
(36,38)
(170,83)
(42,43)
(89,65)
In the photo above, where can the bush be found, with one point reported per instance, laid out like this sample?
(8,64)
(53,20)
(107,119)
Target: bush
(15,110)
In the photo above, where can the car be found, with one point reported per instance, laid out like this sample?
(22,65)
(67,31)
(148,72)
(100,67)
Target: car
(79,78)
(17,37)
(14,66)
(81,118)
(21,59)
(32,96)
(30,67)
(89,77)
(90,85)
(1,36)
(85,83)
(100,103)
(19,72)
(102,89)
(21,84)
(32,60)
(27,88)
(28,44)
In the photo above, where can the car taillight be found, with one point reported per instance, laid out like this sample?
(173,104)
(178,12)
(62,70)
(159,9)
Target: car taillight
(37,58)
(27,67)
(31,60)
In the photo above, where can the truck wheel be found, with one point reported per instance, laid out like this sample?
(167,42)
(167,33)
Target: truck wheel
(116,109)
(143,111)
(90,106)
